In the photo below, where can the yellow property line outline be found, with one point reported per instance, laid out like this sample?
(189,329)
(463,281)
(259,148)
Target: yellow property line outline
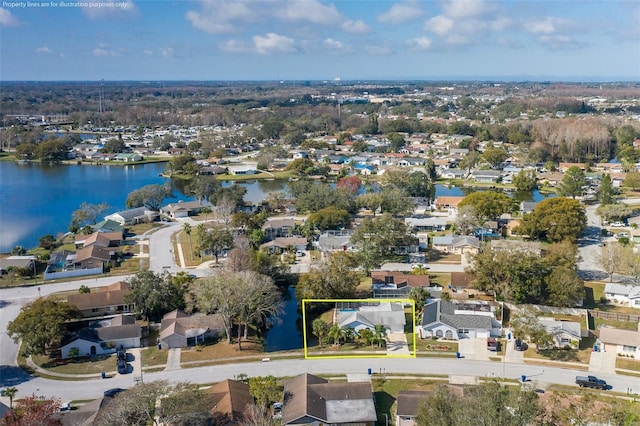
(403,301)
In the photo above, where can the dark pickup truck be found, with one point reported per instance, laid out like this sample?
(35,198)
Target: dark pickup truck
(591,382)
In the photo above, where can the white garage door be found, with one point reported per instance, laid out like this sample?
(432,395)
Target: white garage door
(482,334)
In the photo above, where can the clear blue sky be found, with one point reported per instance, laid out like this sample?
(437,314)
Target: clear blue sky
(319,40)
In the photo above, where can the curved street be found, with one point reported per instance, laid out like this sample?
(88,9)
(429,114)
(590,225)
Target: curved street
(161,258)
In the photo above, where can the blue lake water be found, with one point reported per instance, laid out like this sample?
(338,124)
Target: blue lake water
(39,199)
(286,334)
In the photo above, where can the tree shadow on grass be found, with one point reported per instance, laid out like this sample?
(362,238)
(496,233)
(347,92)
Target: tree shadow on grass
(383,401)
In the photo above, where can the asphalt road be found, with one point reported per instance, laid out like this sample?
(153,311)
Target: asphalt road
(286,368)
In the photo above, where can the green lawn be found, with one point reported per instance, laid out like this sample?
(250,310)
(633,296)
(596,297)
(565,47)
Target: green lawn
(154,356)
(83,365)
(628,364)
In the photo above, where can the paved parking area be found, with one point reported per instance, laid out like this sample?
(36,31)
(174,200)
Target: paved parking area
(511,355)
(397,344)
(474,349)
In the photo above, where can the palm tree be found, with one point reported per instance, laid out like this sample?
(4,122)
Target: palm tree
(320,330)
(380,334)
(348,334)
(367,335)
(205,210)
(336,332)
(186,227)
(9,392)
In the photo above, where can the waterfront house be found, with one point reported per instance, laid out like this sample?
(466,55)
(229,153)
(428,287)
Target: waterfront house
(93,256)
(449,203)
(100,239)
(133,216)
(25,262)
(182,209)
(390,315)
(108,300)
(278,227)
(311,400)
(179,330)
(486,176)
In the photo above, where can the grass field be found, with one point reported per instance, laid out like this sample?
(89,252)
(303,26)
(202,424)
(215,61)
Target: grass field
(78,366)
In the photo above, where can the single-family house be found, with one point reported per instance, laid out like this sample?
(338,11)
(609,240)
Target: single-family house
(230,398)
(396,284)
(107,300)
(486,176)
(278,227)
(623,294)
(426,223)
(103,337)
(26,262)
(408,404)
(455,320)
(390,315)
(461,282)
(93,256)
(133,216)
(85,415)
(527,206)
(311,400)
(564,333)
(458,244)
(128,157)
(100,239)
(449,203)
(182,209)
(282,244)
(623,342)
(108,226)
(332,241)
(179,330)
(454,173)
(242,170)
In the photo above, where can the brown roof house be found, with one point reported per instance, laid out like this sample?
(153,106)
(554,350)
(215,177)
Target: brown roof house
(107,300)
(623,342)
(230,397)
(409,401)
(92,256)
(179,330)
(310,399)
(396,284)
(104,337)
(101,239)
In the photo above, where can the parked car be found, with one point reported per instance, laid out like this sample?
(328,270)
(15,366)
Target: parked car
(113,392)
(492,344)
(591,382)
(122,366)
(622,235)
(519,345)
(618,225)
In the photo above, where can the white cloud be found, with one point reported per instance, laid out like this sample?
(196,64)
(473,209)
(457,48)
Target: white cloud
(333,44)
(7,19)
(100,9)
(100,52)
(401,12)
(465,8)
(148,52)
(419,43)
(222,17)
(236,46)
(45,50)
(355,27)
(548,25)
(308,10)
(382,49)
(166,52)
(441,25)
(273,43)
(560,42)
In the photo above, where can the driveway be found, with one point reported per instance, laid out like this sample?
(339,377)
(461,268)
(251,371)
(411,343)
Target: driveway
(603,362)
(397,344)
(475,349)
(511,355)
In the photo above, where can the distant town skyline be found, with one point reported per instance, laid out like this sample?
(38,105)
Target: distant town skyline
(320,40)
